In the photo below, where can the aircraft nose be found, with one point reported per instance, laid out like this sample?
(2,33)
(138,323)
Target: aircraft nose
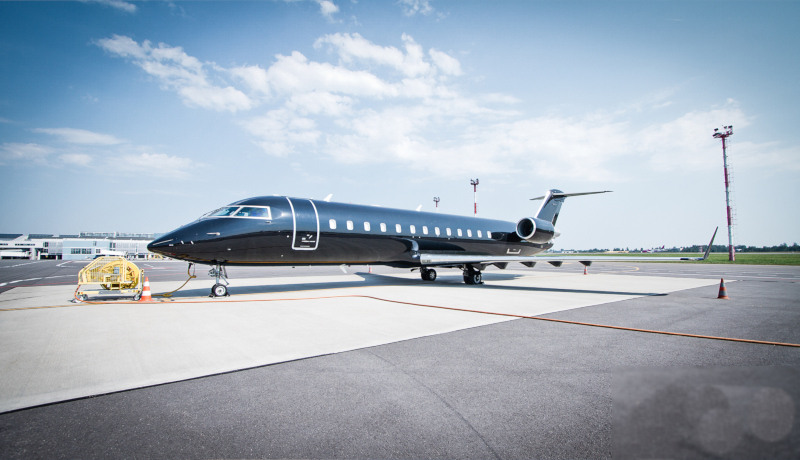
(178,237)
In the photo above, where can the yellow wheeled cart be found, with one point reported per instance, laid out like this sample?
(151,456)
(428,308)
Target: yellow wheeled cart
(117,276)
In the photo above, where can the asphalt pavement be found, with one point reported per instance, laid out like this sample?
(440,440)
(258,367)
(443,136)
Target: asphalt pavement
(516,389)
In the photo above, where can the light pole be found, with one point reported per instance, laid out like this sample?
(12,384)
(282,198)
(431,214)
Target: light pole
(724,135)
(475,194)
(436,200)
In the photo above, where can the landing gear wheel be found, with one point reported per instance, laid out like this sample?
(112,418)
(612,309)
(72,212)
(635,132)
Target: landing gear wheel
(428,274)
(473,277)
(219,290)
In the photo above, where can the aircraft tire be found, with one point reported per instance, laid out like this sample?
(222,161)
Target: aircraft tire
(473,278)
(219,290)
(428,274)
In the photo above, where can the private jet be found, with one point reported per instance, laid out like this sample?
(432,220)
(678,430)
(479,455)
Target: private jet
(286,231)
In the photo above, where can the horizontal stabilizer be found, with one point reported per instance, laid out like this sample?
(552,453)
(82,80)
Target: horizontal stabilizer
(565,195)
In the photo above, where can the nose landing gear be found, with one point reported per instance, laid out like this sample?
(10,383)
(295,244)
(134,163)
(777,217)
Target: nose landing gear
(428,274)
(219,289)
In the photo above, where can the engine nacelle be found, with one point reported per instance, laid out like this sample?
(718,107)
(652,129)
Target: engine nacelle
(535,230)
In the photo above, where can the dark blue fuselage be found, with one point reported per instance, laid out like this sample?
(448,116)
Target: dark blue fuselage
(300,231)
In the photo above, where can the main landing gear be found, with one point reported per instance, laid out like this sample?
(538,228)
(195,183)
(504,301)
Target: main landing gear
(219,289)
(472,276)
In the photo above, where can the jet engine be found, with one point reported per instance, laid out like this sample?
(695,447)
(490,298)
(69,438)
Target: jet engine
(535,230)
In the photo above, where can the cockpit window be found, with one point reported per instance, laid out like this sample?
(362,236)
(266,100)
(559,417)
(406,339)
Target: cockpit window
(253,211)
(224,212)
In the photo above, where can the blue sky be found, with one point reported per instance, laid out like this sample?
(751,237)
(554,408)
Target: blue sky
(141,116)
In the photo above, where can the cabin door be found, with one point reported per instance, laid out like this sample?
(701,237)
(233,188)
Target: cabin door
(306,225)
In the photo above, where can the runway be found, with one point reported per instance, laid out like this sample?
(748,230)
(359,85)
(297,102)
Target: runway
(367,377)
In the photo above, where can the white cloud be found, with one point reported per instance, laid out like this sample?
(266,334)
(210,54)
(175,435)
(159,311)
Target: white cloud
(80,159)
(18,152)
(382,104)
(327,8)
(215,98)
(686,143)
(80,136)
(180,72)
(445,62)
(157,164)
(412,7)
(118,4)
(281,131)
(352,47)
(296,74)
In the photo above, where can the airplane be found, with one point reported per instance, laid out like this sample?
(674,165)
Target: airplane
(287,231)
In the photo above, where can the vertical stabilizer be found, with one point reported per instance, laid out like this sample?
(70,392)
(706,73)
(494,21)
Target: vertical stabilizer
(551,206)
(552,201)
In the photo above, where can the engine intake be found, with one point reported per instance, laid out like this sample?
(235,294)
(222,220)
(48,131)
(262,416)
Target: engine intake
(535,230)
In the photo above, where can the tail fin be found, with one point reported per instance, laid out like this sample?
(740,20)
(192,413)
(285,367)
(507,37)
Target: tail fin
(553,200)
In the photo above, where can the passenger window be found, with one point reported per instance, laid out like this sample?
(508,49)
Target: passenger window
(469,233)
(448,232)
(366,226)
(479,234)
(349,224)
(413,229)
(383,227)
(436,229)
(459,232)
(425,229)
(488,234)
(332,223)
(398,228)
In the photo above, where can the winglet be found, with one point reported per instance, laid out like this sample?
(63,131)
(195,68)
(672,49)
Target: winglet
(419,208)
(708,249)
(328,198)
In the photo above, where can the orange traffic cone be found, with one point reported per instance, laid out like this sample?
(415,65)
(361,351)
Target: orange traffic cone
(584,270)
(146,291)
(723,293)
(370,268)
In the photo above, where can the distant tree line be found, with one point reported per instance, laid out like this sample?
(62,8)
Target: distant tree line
(742,248)
(714,248)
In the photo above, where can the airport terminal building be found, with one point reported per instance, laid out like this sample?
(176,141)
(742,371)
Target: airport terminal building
(86,245)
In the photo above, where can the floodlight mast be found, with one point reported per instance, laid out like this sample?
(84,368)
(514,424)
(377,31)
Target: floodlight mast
(475,194)
(727,132)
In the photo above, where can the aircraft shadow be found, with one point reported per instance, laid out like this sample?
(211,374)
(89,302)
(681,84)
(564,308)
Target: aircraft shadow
(504,277)
(371,280)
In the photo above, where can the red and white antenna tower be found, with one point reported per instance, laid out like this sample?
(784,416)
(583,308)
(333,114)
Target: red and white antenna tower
(475,193)
(724,135)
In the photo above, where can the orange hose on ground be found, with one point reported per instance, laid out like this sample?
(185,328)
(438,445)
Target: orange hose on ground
(511,315)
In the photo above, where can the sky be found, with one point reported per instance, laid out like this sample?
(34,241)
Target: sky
(141,116)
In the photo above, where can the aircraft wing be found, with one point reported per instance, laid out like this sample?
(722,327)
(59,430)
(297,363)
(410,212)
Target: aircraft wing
(458,259)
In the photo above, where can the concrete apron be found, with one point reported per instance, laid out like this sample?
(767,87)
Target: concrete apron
(77,350)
